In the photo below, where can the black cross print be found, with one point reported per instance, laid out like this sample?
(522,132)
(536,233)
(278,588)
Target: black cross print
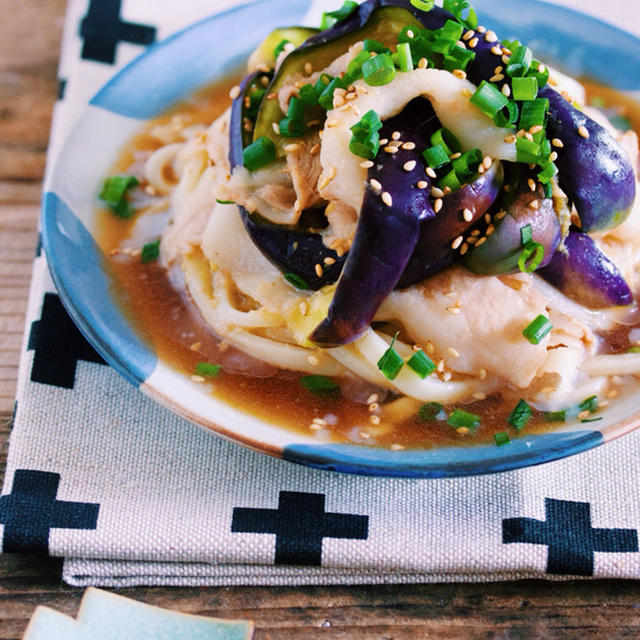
(570,537)
(58,345)
(102,29)
(300,524)
(31,510)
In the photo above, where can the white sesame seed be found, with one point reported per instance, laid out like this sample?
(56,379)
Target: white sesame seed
(409,146)
(373,407)
(463,249)
(391,150)
(614,393)
(506,90)
(481,29)
(553,156)
(468,35)
(582,130)
(510,139)
(303,307)
(308,68)
(319,270)
(490,230)
(437,205)
(556,142)
(422,184)
(387,199)
(459,73)
(534,204)
(395,135)
(457,242)
(506,59)
(315,427)
(373,398)
(423,63)
(479,396)
(496,78)
(396,447)
(454,353)
(234,93)
(532,184)
(490,36)
(410,34)
(196,346)
(313,361)
(473,43)
(467,215)
(487,162)
(374,420)
(480,242)
(384,141)
(430,172)
(276,128)
(375,185)
(367,164)
(329,261)
(487,218)
(437,192)
(410,166)
(197,379)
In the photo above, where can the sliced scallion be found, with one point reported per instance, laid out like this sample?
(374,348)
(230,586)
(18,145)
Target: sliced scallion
(403,57)
(422,364)
(527,151)
(526,235)
(113,194)
(224,201)
(447,140)
(436,156)
(326,97)
(259,154)
(590,404)
(280,47)
(429,411)
(457,58)
(520,61)
(207,370)
(379,70)
(549,171)
(501,439)
(538,330)
(391,363)
(354,68)
(150,252)
(507,116)
(309,95)
(297,281)
(531,257)
(450,180)
(524,88)
(423,5)
(463,10)
(460,419)
(373,46)
(331,17)
(489,99)
(290,128)
(320,385)
(520,415)
(541,76)
(467,164)
(533,113)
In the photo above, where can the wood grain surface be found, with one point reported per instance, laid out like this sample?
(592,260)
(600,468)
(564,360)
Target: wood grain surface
(29,42)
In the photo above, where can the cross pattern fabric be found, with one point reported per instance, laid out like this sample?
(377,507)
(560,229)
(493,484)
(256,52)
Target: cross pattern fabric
(130,494)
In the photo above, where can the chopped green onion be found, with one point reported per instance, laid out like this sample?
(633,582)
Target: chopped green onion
(555,416)
(391,363)
(538,330)
(451,30)
(423,5)
(445,138)
(508,115)
(258,154)
(531,257)
(224,201)
(591,420)
(524,88)
(429,411)
(450,180)
(373,46)
(541,76)
(489,99)
(309,95)
(436,156)
(527,151)
(331,17)
(379,70)
(464,420)
(463,10)
(458,58)
(526,235)
(545,152)
(520,61)
(501,439)
(590,404)
(369,122)
(354,68)
(280,47)
(296,109)
(365,145)
(150,252)
(422,364)
(297,281)
(519,417)
(403,57)
(320,385)
(549,171)
(548,190)
(633,350)
(290,128)
(114,191)
(533,113)
(207,370)
(467,164)
(442,45)
(326,97)
(322,82)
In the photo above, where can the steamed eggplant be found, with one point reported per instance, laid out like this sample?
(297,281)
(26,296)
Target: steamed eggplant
(582,272)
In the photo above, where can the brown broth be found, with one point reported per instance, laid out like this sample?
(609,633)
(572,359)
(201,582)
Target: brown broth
(180,337)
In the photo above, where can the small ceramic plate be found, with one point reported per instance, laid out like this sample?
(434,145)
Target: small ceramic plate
(199,56)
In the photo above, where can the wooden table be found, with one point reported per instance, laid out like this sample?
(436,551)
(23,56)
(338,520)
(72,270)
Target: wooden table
(29,42)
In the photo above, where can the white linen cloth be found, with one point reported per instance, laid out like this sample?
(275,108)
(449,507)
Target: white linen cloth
(160,494)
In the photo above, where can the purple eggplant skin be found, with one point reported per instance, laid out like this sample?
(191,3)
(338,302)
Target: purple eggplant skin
(586,275)
(594,172)
(499,254)
(388,229)
(291,250)
(433,252)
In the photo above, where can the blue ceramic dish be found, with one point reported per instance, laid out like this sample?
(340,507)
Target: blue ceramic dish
(209,50)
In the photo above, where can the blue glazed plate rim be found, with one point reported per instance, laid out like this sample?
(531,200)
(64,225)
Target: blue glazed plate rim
(350,458)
